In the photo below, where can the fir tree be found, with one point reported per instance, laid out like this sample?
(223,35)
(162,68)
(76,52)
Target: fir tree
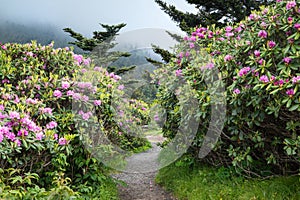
(217,12)
(100,46)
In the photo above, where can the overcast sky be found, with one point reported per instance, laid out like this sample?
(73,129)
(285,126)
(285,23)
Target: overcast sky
(84,16)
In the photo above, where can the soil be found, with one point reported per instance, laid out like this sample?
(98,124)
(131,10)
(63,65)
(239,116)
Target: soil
(140,174)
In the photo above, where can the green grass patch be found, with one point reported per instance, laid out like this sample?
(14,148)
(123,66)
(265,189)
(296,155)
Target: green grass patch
(202,182)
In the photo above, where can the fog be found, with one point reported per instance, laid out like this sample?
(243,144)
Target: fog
(85,16)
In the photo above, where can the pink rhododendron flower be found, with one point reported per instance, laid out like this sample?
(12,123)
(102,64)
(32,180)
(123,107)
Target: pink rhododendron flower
(178,72)
(97,102)
(1,137)
(51,125)
(39,136)
(98,69)
(261,61)
(271,44)
(257,53)
(228,28)
(297,26)
(10,136)
(192,45)
(55,136)
(87,61)
(70,93)
(296,79)
(290,92)
(262,34)
(57,94)
(264,79)
(228,58)
(62,141)
(65,85)
(4,47)
(31,101)
(121,87)
(14,115)
(287,60)
(1,107)
(236,91)
(46,110)
(22,133)
(18,142)
(290,20)
(290,4)
(244,71)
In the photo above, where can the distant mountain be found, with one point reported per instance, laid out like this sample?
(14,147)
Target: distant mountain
(42,33)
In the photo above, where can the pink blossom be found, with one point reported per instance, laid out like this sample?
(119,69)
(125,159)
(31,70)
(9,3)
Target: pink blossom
(14,115)
(296,79)
(97,68)
(51,125)
(78,59)
(236,91)
(261,61)
(3,47)
(228,58)
(22,133)
(271,44)
(31,101)
(257,53)
(262,34)
(290,20)
(39,135)
(87,61)
(70,93)
(290,4)
(287,60)
(55,136)
(65,85)
(121,87)
(143,108)
(228,28)
(192,45)
(84,98)
(290,92)
(46,110)
(264,79)
(193,38)
(62,141)
(86,116)
(1,107)
(1,137)
(57,94)
(97,102)
(244,71)
(297,26)
(178,72)
(18,142)
(10,136)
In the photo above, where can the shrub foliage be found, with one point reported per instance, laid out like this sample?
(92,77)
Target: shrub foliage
(258,60)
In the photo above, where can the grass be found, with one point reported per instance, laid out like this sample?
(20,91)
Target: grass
(205,183)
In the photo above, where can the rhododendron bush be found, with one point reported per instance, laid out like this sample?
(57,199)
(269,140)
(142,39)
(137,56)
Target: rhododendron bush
(40,144)
(258,60)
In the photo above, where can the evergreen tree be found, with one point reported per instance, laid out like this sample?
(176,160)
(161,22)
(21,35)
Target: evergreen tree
(217,12)
(100,45)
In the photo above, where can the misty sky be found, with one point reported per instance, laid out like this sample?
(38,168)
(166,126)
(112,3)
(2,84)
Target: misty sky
(84,16)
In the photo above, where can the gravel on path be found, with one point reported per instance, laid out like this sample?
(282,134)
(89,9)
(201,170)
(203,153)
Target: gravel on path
(140,174)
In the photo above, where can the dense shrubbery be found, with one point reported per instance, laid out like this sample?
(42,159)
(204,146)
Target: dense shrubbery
(258,60)
(41,149)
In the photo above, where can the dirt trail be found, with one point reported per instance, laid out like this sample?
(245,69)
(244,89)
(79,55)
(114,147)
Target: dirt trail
(140,175)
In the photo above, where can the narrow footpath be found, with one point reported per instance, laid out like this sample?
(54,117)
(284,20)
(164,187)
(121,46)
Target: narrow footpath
(140,174)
